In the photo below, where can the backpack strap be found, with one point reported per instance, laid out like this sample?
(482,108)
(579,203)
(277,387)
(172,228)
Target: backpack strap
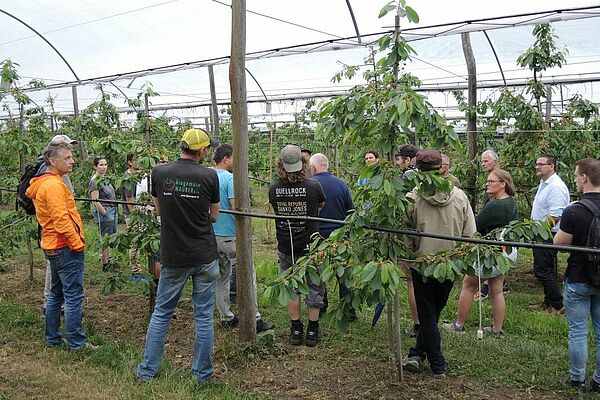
(590,206)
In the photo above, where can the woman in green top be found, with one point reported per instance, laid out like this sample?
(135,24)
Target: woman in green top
(498,212)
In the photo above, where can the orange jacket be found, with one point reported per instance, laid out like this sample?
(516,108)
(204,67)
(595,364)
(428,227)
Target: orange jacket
(56,212)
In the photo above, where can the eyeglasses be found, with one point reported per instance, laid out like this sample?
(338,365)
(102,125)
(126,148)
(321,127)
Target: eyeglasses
(490,181)
(542,164)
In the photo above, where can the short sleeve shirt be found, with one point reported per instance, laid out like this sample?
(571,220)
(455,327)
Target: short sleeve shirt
(552,198)
(295,199)
(185,190)
(128,190)
(225,225)
(576,220)
(106,192)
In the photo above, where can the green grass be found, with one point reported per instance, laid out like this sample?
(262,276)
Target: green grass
(108,368)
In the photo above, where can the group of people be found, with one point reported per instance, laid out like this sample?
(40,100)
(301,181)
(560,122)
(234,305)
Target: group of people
(199,244)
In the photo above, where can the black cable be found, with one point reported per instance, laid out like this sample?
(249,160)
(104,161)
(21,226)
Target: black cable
(409,232)
(413,232)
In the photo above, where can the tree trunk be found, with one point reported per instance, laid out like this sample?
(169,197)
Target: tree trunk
(549,106)
(239,120)
(471,116)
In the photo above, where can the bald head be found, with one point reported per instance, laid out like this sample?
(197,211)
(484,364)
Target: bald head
(319,163)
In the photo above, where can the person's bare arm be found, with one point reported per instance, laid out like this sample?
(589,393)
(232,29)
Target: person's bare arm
(563,238)
(214,211)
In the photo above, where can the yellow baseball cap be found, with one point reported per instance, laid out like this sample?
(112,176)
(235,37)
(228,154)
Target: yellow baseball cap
(197,139)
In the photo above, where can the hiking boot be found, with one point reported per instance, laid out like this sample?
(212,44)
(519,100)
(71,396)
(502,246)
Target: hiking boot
(296,334)
(539,306)
(412,363)
(413,331)
(312,336)
(554,311)
(578,384)
(231,323)
(262,326)
(595,386)
(490,329)
(454,327)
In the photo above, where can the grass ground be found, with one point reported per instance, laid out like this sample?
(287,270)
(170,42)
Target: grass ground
(529,362)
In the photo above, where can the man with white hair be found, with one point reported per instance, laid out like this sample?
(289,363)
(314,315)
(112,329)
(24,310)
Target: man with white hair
(489,163)
(337,206)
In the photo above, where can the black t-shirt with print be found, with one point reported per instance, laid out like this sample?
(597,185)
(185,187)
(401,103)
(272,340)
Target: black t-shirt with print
(297,199)
(185,189)
(576,220)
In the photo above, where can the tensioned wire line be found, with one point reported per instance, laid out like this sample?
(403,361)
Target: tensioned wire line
(409,232)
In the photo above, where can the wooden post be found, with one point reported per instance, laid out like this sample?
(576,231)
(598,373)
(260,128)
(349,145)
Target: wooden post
(471,115)
(239,121)
(213,99)
(152,299)
(22,169)
(78,126)
(268,223)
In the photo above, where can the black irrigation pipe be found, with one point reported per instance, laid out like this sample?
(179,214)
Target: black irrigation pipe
(413,232)
(410,232)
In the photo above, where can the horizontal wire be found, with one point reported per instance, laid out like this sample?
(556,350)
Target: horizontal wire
(409,232)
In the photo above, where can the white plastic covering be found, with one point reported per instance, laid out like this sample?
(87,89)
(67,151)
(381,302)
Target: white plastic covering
(111,38)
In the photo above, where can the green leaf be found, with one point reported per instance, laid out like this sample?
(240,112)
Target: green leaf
(387,8)
(387,187)
(411,14)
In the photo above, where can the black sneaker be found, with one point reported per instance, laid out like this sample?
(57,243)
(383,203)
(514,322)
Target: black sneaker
(578,384)
(262,326)
(232,323)
(594,387)
(296,333)
(312,336)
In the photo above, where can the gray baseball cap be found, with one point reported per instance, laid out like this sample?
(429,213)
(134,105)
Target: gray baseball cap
(62,139)
(292,158)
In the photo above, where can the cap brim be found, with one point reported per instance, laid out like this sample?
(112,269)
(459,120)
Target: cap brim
(295,167)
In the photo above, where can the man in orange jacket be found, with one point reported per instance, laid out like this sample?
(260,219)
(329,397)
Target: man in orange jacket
(63,243)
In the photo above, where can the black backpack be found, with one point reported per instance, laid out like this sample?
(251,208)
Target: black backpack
(22,200)
(591,261)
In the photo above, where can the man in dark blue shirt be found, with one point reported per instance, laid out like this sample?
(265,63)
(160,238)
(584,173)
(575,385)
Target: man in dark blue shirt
(337,206)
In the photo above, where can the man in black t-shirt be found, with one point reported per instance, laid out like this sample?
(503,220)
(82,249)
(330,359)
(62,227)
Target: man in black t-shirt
(186,195)
(579,297)
(295,195)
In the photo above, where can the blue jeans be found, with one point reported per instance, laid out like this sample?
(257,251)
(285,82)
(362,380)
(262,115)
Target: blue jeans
(580,301)
(66,268)
(171,283)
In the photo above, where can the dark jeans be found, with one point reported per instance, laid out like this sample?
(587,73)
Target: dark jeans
(545,269)
(431,297)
